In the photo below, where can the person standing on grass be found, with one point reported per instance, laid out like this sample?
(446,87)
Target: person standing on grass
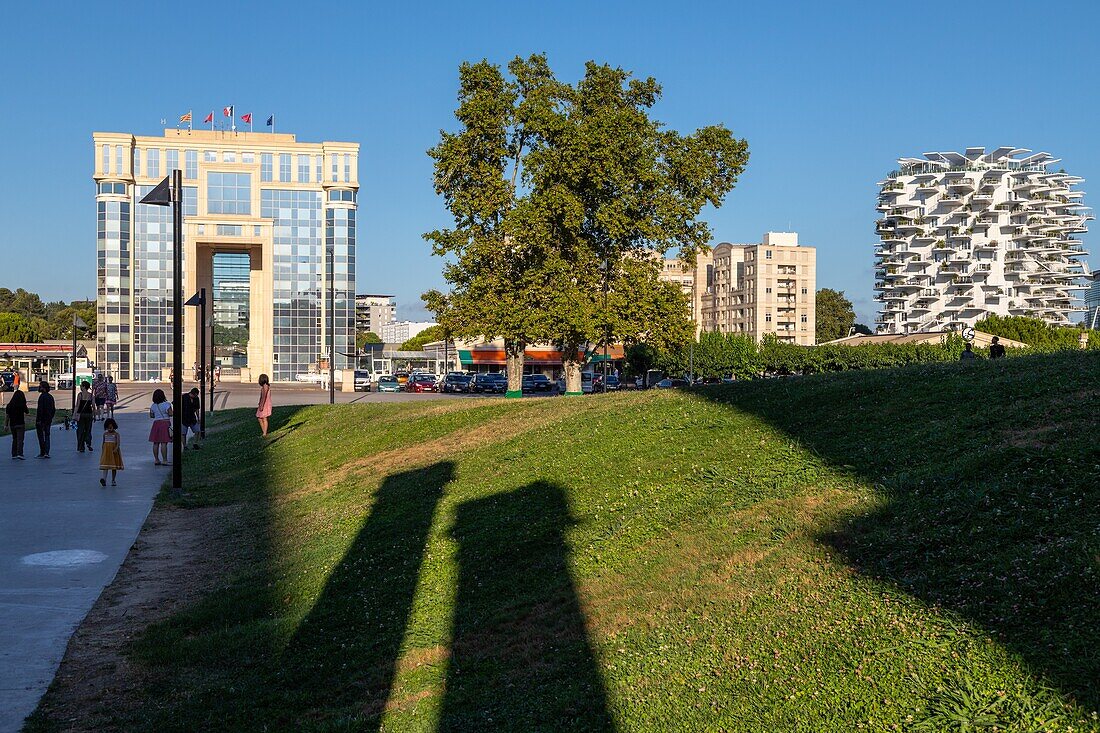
(263,410)
(160,435)
(112,396)
(15,415)
(968,353)
(192,403)
(110,457)
(996,349)
(85,414)
(43,418)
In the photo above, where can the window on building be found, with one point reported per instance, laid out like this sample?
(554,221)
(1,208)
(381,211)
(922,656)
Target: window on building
(805,318)
(228,193)
(767,254)
(229,230)
(229,156)
(106,161)
(767,290)
(137,162)
(767,317)
(284,167)
(318,167)
(303,169)
(172,160)
(266,163)
(333,164)
(347,168)
(341,195)
(191,164)
(118,160)
(804,291)
(152,163)
(210,156)
(248,157)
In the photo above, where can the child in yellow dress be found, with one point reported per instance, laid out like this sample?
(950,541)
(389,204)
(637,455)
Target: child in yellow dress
(110,459)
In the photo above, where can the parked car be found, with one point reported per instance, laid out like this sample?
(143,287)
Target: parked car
(609,384)
(420,383)
(362,380)
(402,377)
(388,383)
(456,382)
(668,383)
(489,383)
(537,383)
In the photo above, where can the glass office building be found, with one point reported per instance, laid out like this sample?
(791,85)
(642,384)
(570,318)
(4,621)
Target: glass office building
(276,214)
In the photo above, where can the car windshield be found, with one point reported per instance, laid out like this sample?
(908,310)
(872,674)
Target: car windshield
(388,379)
(460,378)
(539,378)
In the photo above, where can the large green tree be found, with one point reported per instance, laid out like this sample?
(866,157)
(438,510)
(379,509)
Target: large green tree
(362,338)
(834,314)
(16,328)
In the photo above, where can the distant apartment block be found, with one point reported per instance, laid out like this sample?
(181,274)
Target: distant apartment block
(754,289)
(374,312)
(1092,302)
(965,235)
(396,333)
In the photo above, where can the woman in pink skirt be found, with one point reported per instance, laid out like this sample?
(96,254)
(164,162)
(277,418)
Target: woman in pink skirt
(160,436)
(263,411)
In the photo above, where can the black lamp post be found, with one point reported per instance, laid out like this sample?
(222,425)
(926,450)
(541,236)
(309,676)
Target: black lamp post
(199,299)
(77,323)
(169,192)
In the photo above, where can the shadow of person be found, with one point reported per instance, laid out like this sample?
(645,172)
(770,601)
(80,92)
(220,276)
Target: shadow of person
(344,653)
(520,657)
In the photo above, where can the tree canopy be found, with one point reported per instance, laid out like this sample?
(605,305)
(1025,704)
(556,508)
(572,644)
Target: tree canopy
(834,314)
(428,335)
(362,338)
(43,320)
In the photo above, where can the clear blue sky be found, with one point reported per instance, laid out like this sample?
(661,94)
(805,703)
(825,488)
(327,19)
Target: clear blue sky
(827,94)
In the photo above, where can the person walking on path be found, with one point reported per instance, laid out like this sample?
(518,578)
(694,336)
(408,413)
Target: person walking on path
(112,396)
(996,349)
(85,414)
(192,403)
(15,415)
(110,457)
(99,392)
(263,410)
(43,418)
(160,435)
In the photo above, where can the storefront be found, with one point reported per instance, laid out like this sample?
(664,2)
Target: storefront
(35,362)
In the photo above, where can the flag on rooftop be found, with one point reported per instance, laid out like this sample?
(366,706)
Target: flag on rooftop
(247,117)
(185,117)
(209,117)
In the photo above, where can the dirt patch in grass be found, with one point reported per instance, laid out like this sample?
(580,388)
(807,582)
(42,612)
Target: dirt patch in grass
(179,556)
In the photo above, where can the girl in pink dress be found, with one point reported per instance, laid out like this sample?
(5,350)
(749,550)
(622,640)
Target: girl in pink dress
(263,411)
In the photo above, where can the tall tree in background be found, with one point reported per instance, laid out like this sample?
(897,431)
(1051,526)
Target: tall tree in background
(16,328)
(496,271)
(834,314)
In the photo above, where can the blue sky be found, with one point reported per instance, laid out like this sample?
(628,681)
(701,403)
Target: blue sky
(827,94)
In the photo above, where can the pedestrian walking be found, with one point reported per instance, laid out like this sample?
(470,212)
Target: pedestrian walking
(263,410)
(43,418)
(161,434)
(110,456)
(192,403)
(112,396)
(85,414)
(99,392)
(15,417)
(996,349)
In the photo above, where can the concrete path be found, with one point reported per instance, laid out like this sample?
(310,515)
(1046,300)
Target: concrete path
(62,539)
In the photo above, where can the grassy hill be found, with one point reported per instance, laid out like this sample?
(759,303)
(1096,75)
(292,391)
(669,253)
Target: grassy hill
(912,549)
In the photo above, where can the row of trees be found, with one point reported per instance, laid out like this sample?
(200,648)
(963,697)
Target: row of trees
(1036,333)
(564,197)
(26,318)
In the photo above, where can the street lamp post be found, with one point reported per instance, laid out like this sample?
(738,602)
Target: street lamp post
(199,299)
(169,192)
(78,322)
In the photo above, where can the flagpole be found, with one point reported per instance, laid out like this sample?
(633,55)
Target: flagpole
(190,120)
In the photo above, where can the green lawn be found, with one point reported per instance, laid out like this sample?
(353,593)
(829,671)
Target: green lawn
(59,418)
(912,549)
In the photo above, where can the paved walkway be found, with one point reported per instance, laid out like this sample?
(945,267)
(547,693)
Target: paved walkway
(62,539)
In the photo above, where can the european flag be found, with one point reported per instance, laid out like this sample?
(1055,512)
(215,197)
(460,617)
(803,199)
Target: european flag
(271,121)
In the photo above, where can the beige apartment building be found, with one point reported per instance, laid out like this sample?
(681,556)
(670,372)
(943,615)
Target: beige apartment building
(269,230)
(753,289)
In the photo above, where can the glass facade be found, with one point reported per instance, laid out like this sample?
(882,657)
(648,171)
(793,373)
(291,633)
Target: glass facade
(231,307)
(340,276)
(228,193)
(113,284)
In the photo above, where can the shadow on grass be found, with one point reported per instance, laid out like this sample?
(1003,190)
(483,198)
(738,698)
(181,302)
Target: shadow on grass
(520,657)
(991,501)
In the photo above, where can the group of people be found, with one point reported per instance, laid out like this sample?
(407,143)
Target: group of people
(996,350)
(15,418)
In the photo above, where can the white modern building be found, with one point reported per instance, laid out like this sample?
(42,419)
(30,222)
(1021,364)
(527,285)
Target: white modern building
(373,312)
(396,333)
(1092,302)
(965,235)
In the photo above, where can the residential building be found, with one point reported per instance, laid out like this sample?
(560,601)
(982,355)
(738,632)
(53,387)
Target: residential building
(373,312)
(402,331)
(274,213)
(1092,301)
(754,289)
(966,235)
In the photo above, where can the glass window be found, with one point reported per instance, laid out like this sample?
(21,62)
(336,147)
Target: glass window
(333,164)
(172,160)
(805,318)
(265,166)
(248,157)
(284,167)
(118,160)
(137,162)
(318,168)
(191,164)
(228,193)
(229,230)
(229,156)
(303,169)
(106,162)
(152,163)
(768,317)
(767,254)
(347,168)
(210,156)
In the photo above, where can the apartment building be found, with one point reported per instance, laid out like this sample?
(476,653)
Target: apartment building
(1092,302)
(965,235)
(754,289)
(374,312)
(401,331)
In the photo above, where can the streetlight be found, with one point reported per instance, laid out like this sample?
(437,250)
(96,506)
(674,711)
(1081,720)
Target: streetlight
(77,323)
(199,299)
(169,192)
(331,257)
(7,359)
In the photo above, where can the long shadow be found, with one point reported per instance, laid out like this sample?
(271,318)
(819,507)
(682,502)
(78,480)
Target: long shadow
(344,653)
(520,656)
(991,493)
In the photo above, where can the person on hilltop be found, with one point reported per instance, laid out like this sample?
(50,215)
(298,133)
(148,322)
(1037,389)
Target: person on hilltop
(996,349)
(15,416)
(160,435)
(43,418)
(110,456)
(968,353)
(263,410)
(85,414)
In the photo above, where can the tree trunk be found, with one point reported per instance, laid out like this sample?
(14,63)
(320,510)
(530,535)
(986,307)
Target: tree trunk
(572,369)
(513,367)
